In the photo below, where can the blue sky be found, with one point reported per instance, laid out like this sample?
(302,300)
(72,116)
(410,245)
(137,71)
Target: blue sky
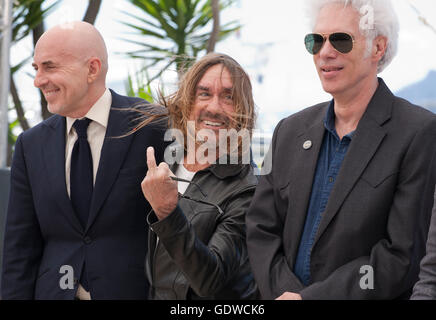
(269,45)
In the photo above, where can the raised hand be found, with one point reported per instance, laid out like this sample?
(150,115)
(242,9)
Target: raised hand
(158,187)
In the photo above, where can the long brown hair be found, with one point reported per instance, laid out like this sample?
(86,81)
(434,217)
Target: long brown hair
(179,105)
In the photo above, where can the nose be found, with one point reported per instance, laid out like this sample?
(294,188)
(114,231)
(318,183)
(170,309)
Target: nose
(214,104)
(327,51)
(40,80)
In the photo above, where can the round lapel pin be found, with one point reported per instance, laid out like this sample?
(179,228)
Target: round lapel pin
(307,145)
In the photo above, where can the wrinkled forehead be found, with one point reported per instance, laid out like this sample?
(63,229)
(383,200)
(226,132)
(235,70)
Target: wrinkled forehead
(216,75)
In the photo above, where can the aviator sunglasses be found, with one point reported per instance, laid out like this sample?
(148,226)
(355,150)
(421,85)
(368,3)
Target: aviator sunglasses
(340,41)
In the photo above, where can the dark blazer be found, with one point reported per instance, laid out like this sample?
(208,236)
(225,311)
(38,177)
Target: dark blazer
(425,288)
(5,178)
(43,232)
(377,214)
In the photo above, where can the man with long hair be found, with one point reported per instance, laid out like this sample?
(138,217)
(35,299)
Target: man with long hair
(197,227)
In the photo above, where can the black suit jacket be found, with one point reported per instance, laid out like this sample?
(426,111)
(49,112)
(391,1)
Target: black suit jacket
(377,214)
(43,232)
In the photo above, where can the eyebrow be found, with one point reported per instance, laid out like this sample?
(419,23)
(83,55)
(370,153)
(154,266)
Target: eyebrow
(202,88)
(45,63)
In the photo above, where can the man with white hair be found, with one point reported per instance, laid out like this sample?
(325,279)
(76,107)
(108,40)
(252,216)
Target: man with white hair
(76,224)
(344,212)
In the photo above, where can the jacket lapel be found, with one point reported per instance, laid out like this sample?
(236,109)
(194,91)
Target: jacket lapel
(306,161)
(113,153)
(54,155)
(367,139)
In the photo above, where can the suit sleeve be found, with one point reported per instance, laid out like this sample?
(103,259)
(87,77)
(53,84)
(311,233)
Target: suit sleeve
(23,240)
(265,223)
(394,259)
(425,288)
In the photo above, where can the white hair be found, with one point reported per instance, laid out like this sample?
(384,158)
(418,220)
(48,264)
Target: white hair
(382,22)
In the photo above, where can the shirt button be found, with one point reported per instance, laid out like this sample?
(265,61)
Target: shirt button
(331,179)
(87,240)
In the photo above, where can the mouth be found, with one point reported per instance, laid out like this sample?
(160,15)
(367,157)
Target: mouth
(50,93)
(214,123)
(331,70)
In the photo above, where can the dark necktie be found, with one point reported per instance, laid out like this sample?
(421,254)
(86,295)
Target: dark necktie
(81,180)
(81,175)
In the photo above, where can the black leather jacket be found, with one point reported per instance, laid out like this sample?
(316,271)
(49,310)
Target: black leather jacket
(201,252)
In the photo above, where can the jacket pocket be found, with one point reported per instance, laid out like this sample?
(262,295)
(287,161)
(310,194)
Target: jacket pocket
(376,179)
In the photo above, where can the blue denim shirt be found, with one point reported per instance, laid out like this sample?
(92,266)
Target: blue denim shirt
(332,153)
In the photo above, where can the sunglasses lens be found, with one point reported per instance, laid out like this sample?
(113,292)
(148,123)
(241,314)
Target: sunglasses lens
(313,43)
(342,42)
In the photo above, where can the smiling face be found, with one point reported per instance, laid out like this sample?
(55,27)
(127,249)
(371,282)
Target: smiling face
(70,65)
(62,79)
(343,74)
(213,104)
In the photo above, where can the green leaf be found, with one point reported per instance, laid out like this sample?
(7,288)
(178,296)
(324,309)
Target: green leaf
(142,20)
(184,25)
(144,31)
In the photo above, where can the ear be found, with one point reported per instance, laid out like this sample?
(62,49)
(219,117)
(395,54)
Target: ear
(94,69)
(379,48)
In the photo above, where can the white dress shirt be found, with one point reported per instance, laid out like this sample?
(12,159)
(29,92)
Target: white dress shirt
(99,114)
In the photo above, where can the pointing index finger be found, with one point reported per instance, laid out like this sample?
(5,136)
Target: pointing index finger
(151,161)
